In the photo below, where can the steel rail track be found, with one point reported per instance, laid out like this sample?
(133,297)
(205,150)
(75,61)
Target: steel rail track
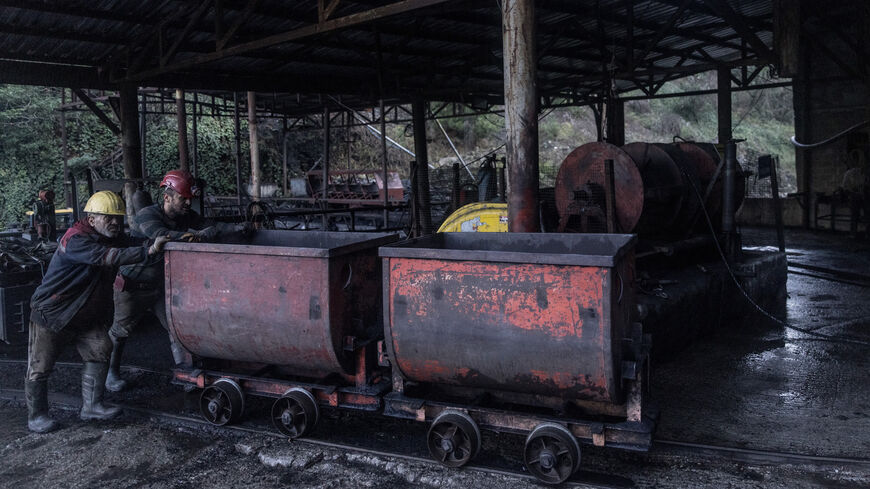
(757,456)
(69,403)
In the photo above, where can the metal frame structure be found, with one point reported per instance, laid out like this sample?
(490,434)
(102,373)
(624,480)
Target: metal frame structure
(367,50)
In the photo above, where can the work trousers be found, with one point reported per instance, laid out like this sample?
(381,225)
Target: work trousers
(45,346)
(131,306)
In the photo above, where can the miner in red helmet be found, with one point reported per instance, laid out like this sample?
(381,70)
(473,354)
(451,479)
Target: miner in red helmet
(139,287)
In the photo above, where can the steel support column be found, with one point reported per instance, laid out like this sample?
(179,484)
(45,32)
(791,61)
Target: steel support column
(67,183)
(422,194)
(384,161)
(194,154)
(324,187)
(143,133)
(255,151)
(238,129)
(521,114)
(181,117)
(723,92)
(285,153)
(131,146)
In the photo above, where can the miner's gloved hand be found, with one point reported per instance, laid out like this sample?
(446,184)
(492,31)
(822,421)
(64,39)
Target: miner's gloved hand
(189,237)
(158,244)
(207,234)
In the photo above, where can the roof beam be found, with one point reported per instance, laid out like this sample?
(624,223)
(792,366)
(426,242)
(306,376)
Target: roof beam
(307,31)
(194,19)
(739,24)
(86,99)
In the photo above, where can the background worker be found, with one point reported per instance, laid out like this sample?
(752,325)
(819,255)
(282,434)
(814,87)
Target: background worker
(73,306)
(44,220)
(139,287)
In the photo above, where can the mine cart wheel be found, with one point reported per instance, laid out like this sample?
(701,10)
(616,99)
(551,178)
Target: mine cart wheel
(295,413)
(222,402)
(453,438)
(551,454)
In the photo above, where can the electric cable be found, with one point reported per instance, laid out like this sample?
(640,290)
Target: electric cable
(838,339)
(831,139)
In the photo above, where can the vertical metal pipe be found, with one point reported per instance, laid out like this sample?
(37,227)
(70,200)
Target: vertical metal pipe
(130,145)
(418,114)
(195,153)
(616,122)
(384,162)
(238,129)
(521,114)
(777,204)
(74,195)
(255,151)
(181,117)
(728,197)
(609,200)
(501,181)
(324,194)
(143,134)
(454,196)
(68,192)
(723,94)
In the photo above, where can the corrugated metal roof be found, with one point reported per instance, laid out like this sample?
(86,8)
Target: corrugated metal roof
(449,51)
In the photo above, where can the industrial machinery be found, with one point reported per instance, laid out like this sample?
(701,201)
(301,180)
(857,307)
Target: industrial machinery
(22,263)
(531,335)
(655,189)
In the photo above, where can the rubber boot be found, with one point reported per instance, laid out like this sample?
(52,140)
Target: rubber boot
(36,396)
(178,353)
(114,382)
(180,358)
(93,387)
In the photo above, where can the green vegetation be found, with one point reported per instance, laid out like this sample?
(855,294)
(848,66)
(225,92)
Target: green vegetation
(30,140)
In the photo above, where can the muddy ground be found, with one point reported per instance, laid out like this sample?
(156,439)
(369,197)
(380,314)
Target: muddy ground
(763,387)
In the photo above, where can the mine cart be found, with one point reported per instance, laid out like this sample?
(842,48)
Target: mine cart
(521,333)
(292,315)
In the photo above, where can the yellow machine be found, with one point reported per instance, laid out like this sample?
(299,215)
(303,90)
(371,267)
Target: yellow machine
(478,217)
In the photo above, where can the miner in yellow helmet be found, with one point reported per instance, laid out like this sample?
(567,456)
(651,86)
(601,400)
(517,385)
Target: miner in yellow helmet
(73,306)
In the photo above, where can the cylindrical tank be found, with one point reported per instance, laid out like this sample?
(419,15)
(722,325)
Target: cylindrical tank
(664,190)
(285,298)
(691,204)
(531,313)
(580,184)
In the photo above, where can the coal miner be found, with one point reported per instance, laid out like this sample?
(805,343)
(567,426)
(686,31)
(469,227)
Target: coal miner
(44,217)
(73,306)
(139,287)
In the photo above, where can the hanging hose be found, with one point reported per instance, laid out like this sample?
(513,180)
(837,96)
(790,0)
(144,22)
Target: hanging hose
(837,339)
(830,139)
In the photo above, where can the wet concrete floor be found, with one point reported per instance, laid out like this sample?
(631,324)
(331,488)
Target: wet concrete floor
(749,384)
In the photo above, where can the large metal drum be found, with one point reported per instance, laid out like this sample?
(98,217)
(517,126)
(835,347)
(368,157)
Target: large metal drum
(580,183)
(287,298)
(664,191)
(536,314)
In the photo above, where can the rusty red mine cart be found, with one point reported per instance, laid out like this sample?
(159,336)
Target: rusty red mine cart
(287,314)
(522,333)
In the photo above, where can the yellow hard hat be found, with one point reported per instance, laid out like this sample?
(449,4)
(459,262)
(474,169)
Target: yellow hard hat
(105,202)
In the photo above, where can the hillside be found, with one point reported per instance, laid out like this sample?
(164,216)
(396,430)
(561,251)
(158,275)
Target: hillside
(30,140)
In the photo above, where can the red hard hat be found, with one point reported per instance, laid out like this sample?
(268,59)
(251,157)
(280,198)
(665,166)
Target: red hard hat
(182,182)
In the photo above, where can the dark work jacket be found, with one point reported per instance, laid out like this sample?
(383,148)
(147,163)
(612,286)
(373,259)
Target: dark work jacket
(151,222)
(81,272)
